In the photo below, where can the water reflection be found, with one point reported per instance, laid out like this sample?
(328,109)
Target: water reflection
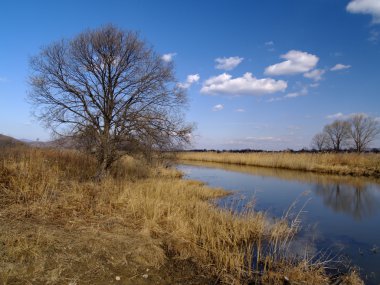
(355,196)
(358,201)
(342,216)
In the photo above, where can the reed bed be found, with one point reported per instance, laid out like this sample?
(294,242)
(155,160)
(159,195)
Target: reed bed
(364,164)
(58,226)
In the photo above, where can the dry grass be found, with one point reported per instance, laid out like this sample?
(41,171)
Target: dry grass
(365,164)
(352,279)
(59,227)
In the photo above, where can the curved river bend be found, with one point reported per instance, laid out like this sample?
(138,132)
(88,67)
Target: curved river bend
(340,214)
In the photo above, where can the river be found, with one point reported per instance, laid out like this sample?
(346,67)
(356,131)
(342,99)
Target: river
(340,215)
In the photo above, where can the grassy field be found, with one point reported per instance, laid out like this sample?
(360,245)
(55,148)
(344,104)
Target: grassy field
(365,164)
(140,225)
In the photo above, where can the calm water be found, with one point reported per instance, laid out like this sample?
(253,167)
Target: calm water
(340,214)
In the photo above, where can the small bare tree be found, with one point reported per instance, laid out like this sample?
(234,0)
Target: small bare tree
(320,141)
(363,131)
(109,88)
(338,133)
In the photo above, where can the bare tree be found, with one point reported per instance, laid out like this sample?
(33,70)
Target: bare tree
(338,133)
(108,86)
(363,131)
(320,141)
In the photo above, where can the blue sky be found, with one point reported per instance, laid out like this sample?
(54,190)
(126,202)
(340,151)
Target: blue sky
(259,74)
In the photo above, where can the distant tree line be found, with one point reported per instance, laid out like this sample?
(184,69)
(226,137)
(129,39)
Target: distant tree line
(356,133)
(248,150)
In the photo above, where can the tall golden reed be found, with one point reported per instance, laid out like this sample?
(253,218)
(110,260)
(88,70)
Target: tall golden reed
(365,164)
(57,226)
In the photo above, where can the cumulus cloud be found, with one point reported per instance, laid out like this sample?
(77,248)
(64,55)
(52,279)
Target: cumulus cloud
(371,7)
(228,63)
(245,85)
(340,66)
(192,78)
(315,74)
(218,107)
(269,43)
(240,110)
(295,62)
(168,57)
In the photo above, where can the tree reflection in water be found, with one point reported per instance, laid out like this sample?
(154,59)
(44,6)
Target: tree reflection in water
(354,201)
(359,201)
(356,196)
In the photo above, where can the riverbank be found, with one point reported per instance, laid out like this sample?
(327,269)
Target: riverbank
(140,225)
(365,164)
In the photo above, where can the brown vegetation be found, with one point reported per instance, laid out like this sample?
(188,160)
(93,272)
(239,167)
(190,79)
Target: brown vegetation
(58,226)
(365,164)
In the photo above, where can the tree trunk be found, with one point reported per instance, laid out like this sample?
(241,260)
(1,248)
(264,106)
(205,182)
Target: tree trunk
(105,159)
(102,171)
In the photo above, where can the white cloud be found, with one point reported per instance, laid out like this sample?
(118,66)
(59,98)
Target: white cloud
(340,66)
(240,110)
(292,95)
(335,116)
(304,91)
(218,107)
(228,63)
(342,116)
(315,74)
(371,7)
(295,62)
(245,85)
(192,78)
(275,99)
(270,46)
(168,57)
